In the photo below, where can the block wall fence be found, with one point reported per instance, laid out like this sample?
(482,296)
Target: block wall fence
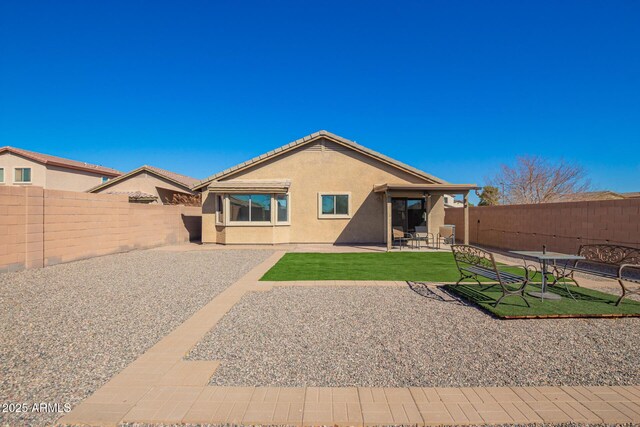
(41,227)
(563,227)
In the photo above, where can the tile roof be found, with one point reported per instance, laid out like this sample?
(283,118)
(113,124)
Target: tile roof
(185,181)
(314,136)
(60,161)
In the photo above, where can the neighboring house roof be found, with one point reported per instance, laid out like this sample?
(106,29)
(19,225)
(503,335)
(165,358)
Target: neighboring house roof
(181,180)
(632,195)
(60,161)
(310,138)
(587,196)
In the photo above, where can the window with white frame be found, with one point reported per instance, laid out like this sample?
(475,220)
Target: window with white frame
(334,205)
(1,175)
(22,175)
(250,207)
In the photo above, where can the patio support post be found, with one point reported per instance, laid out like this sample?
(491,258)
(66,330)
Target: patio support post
(427,208)
(466,218)
(387,200)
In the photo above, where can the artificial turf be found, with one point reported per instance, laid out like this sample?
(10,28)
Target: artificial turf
(416,266)
(587,303)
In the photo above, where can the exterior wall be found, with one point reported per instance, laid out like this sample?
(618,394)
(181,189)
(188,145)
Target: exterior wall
(315,169)
(71,180)
(563,227)
(147,183)
(45,227)
(49,177)
(10,161)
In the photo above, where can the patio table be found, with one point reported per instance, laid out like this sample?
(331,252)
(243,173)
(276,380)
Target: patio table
(544,257)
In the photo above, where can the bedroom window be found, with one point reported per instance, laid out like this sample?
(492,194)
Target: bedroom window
(336,205)
(22,175)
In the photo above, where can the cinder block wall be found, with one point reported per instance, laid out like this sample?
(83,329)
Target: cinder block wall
(563,227)
(45,227)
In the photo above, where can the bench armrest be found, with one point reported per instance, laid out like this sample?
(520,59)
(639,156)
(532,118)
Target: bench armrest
(623,266)
(529,270)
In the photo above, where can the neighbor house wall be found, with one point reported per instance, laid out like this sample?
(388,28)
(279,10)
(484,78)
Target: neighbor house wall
(10,161)
(45,227)
(318,168)
(147,183)
(48,176)
(562,227)
(59,178)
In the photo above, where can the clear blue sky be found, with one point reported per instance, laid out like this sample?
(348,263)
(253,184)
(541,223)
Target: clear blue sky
(452,87)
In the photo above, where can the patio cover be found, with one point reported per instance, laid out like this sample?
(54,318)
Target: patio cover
(425,190)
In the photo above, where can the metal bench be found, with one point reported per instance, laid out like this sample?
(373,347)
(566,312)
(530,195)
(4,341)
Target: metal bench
(621,263)
(473,261)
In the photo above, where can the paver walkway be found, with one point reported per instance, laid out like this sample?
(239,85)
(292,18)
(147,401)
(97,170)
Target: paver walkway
(161,387)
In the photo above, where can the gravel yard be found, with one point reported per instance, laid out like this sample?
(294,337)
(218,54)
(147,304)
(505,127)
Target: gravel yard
(67,329)
(394,337)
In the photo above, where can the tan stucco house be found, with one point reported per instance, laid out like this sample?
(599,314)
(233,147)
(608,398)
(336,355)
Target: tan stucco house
(321,189)
(23,167)
(149,184)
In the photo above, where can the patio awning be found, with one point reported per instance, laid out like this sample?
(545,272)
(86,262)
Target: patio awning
(250,186)
(446,188)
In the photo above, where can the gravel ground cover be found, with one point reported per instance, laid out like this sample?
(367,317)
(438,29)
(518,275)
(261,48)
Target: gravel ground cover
(397,337)
(66,330)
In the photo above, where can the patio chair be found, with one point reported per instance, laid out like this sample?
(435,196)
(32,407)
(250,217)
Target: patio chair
(400,237)
(422,235)
(446,235)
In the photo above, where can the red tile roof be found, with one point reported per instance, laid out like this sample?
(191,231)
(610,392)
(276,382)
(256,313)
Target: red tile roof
(60,161)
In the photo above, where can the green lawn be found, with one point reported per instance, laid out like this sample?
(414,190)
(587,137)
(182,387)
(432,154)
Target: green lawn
(416,266)
(589,303)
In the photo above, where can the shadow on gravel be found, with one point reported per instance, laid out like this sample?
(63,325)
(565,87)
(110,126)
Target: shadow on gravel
(436,293)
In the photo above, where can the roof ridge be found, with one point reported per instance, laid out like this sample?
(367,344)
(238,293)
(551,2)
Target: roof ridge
(182,180)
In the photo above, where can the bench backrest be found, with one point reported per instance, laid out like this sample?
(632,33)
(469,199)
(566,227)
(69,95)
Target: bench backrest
(475,256)
(613,255)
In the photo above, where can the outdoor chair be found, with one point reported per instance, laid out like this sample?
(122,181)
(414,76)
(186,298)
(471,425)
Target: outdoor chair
(446,235)
(422,235)
(400,237)
(473,261)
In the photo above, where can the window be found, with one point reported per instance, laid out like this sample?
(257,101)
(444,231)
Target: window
(23,175)
(1,175)
(104,179)
(334,205)
(219,209)
(250,207)
(282,202)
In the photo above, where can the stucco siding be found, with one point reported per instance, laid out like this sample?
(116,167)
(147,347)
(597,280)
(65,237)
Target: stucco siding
(319,167)
(59,178)
(10,161)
